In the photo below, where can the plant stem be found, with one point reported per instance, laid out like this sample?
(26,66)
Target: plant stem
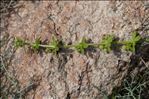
(41,45)
(46,46)
(95,45)
(69,46)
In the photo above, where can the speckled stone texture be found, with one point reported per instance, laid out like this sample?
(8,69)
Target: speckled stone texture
(73,75)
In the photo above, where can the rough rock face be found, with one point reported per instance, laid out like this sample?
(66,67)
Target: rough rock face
(72,75)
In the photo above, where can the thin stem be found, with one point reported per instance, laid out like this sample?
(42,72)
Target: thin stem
(122,42)
(95,45)
(68,46)
(41,45)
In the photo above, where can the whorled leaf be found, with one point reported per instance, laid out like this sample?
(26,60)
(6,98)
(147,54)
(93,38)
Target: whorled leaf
(81,46)
(54,46)
(130,45)
(18,42)
(106,43)
(36,44)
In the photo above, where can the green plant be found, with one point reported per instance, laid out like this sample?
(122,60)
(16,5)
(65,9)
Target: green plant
(54,46)
(130,45)
(36,44)
(18,42)
(81,46)
(106,43)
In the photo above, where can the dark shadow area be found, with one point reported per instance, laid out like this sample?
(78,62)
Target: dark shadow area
(135,82)
(116,47)
(91,49)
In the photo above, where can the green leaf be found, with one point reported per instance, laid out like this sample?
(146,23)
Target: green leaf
(36,44)
(54,46)
(19,42)
(81,46)
(106,43)
(130,45)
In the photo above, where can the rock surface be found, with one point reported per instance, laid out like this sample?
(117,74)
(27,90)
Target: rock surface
(73,75)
